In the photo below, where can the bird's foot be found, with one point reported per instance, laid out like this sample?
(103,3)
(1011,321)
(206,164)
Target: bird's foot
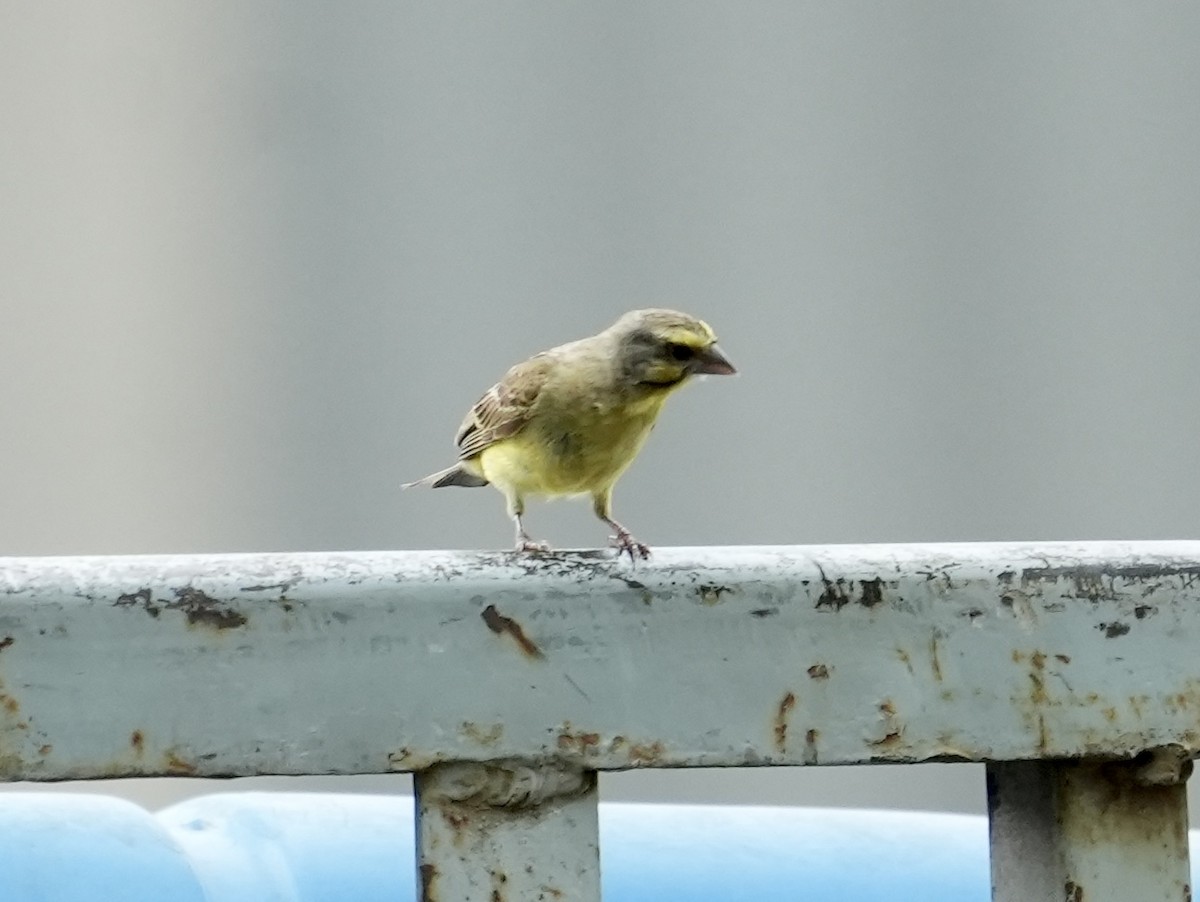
(626,544)
(528,546)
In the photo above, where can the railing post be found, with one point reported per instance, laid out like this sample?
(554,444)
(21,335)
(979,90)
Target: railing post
(507,831)
(1090,831)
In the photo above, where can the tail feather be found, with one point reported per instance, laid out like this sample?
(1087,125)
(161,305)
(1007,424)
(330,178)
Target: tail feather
(455,475)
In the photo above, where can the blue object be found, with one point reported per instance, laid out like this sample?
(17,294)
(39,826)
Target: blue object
(64,848)
(285,847)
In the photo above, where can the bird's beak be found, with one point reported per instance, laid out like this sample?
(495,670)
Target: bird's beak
(712,362)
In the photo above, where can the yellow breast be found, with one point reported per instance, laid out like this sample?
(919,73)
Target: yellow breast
(569,454)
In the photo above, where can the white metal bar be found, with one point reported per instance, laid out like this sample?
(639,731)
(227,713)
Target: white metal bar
(360,663)
(507,831)
(1090,831)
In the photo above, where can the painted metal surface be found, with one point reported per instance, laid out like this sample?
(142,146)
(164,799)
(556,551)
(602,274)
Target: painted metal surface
(374,662)
(1088,831)
(506,832)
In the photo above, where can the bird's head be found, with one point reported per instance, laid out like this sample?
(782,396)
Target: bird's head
(662,348)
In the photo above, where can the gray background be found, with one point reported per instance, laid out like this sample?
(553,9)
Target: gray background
(259,257)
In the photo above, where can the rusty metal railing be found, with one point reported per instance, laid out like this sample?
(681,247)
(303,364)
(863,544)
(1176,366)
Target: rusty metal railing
(505,683)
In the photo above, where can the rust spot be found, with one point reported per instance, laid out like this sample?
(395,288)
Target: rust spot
(1072,892)
(818,672)
(1114,629)
(810,746)
(458,822)
(1063,659)
(1038,693)
(1043,740)
(9,703)
(176,765)
(428,877)
(905,659)
(499,624)
(872,591)
(786,704)
(489,736)
(550,892)
(568,740)
(499,878)
(895,731)
(711,594)
(137,740)
(935,661)
(646,753)
(45,749)
(6,642)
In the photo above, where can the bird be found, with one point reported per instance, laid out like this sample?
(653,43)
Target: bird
(570,420)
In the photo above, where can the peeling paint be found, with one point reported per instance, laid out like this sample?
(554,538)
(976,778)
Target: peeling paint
(872,591)
(710,594)
(198,607)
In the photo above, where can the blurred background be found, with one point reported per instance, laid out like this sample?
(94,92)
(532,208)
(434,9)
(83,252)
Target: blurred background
(258,258)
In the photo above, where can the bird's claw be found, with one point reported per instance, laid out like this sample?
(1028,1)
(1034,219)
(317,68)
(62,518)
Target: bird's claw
(528,546)
(626,544)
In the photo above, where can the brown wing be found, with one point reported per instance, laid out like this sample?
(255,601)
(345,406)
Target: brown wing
(505,408)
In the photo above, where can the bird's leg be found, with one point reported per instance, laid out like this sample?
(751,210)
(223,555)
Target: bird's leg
(625,542)
(623,539)
(523,540)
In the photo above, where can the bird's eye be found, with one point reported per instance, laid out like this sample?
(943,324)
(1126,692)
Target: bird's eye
(681,353)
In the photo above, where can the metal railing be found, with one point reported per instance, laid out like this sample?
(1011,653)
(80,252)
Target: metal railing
(506,682)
